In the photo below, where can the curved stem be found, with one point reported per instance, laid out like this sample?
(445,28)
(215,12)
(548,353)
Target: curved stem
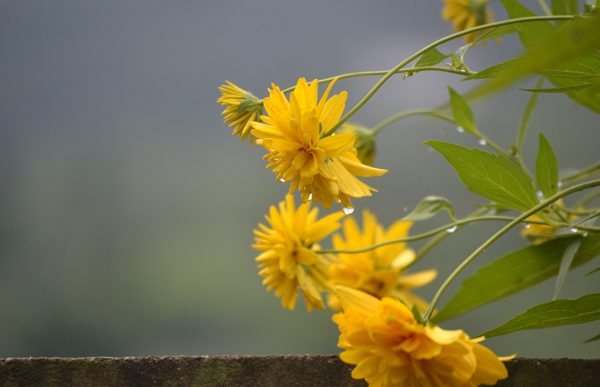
(369,73)
(408,113)
(428,234)
(580,175)
(516,221)
(435,44)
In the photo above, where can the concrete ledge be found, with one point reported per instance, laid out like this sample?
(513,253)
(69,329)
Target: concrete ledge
(253,371)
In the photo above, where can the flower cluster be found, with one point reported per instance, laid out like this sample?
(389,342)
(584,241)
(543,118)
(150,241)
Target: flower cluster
(288,261)
(322,168)
(390,348)
(379,272)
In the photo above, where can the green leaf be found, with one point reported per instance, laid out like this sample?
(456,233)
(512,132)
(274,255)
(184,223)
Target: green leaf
(515,272)
(491,176)
(528,32)
(417,314)
(589,98)
(546,168)
(592,339)
(553,314)
(494,71)
(565,264)
(531,104)
(463,115)
(565,7)
(565,89)
(491,34)
(428,207)
(591,272)
(430,58)
(570,49)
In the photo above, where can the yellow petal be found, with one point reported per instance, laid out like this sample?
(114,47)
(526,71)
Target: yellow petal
(337,145)
(417,279)
(358,169)
(357,300)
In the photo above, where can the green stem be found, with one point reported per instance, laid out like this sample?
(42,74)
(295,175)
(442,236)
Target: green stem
(575,212)
(439,237)
(587,198)
(487,243)
(429,233)
(408,113)
(545,8)
(369,73)
(435,44)
(580,175)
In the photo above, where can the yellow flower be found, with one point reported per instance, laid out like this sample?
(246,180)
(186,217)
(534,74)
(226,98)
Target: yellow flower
(537,233)
(364,142)
(322,169)
(379,272)
(243,108)
(390,348)
(288,261)
(466,14)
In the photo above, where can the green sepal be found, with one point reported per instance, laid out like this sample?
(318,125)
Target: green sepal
(428,208)
(251,104)
(552,314)
(417,315)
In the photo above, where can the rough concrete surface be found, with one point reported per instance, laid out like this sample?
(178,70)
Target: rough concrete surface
(267,371)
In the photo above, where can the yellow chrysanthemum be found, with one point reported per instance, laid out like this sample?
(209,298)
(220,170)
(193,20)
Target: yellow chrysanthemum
(242,108)
(465,14)
(289,261)
(390,348)
(379,272)
(322,169)
(364,142)
(536,233)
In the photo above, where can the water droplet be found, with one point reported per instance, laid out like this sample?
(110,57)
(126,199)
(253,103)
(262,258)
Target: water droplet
(338,200)
(526,225)
(560,184)
(310,197)
(282,180)
(451,229)
(540,195)
(482,142)
(573,229)
(348,210)
(585,233)
(460,129)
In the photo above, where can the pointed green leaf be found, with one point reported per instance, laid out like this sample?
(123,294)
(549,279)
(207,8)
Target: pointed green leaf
(491,176)
(428,207)
(417,314)
(528,32)
(565,7)
(497,32)
(565,89)
(591,272)
(515,272)
(553,314)
(546,168)
(531,104)
(494,71)
(431,58)
(597,337)
(463,115)
(565,264)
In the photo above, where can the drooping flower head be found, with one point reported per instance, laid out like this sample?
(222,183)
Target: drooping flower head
(364,142)
(323,169)
(380,272)
(242,108)
(288,261)
(390,348)
(465,14)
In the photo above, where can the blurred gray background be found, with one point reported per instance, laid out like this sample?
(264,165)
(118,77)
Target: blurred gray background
(127,207)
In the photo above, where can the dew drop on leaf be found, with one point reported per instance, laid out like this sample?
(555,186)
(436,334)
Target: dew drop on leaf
(451,229)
